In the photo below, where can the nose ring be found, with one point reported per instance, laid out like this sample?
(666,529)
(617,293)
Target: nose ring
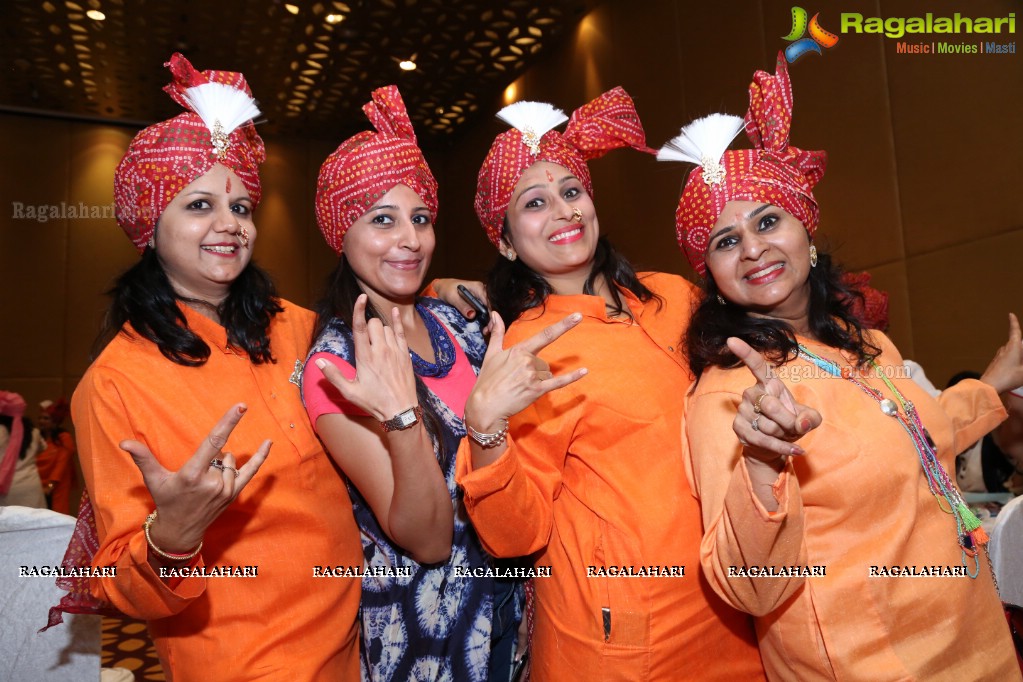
(244,234)
(577,215)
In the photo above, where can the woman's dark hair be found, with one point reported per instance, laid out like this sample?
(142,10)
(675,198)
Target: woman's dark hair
(26,440)
(143,297)
(513,287)
(831,322)
(339,301)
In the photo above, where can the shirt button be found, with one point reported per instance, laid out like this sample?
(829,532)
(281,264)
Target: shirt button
(671,348)
(291,425)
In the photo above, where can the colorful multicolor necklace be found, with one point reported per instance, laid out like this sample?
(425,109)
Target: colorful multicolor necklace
(968,529)
(443,348)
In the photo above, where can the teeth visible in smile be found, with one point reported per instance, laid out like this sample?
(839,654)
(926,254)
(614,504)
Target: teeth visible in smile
(220,249)
(565,235)
(766,271)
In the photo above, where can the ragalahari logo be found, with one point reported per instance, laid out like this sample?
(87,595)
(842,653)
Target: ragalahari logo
(819,37)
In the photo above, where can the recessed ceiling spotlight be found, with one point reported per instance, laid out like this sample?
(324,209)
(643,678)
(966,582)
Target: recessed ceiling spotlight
(96,15)
(292,9)
(407,65)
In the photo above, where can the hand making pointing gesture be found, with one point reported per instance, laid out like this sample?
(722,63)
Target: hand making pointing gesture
(512,379)
(384,382)
(769,419)
(190,499)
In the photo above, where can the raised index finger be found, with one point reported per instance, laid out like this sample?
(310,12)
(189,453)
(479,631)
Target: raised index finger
(1014,332)
(211,446)
(752,359)
(548,335)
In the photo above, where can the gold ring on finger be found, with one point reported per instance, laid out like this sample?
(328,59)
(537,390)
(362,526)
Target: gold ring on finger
(756,405)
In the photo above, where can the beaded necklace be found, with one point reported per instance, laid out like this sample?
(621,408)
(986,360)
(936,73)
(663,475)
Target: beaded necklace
(970,534)
(440,341)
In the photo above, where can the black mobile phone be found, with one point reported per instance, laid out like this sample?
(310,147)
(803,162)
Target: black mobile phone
(482,314)
(519,665)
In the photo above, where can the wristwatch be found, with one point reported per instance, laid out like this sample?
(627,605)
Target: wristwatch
(403,420)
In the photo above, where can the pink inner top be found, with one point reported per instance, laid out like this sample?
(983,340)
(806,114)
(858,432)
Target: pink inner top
(322,398)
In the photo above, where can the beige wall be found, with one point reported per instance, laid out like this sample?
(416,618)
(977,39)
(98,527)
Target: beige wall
(920,190)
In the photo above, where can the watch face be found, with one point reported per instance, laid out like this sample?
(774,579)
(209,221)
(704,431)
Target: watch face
(407,418)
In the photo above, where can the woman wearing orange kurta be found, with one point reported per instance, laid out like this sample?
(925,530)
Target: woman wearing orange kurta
(829,512)
(225,565)
(589,478)
(56,463)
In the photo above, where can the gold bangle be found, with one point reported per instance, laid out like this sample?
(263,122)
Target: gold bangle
(160,552)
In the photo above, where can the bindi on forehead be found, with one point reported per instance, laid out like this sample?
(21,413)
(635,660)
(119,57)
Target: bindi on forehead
(550,178)
(227,187)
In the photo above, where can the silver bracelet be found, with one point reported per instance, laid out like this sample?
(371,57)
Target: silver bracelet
(488,440)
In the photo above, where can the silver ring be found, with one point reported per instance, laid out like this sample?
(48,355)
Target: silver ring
(754,424)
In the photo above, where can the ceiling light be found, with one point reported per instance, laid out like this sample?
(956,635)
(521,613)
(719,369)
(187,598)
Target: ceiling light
(335,18)
(292,9)
(511,93)
(96,15)
(407,65)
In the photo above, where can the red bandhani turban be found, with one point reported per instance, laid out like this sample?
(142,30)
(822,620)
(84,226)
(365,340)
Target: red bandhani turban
(608,122)
(367,166)
(873,310)
(773,172)
(167,156)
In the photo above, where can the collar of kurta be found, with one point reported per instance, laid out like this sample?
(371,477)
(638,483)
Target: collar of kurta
(211,332)
(589,305)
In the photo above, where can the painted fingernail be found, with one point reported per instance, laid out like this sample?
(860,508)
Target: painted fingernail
(804,425)
(242,409)
(575,317)
(796,450)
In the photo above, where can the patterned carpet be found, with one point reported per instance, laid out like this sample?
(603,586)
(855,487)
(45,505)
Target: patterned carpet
(126,644)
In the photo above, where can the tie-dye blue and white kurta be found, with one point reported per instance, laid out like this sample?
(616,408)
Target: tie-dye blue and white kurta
(433,624)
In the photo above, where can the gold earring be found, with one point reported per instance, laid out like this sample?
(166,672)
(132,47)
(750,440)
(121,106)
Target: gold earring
(813,256)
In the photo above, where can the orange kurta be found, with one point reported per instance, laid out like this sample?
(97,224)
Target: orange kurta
(593,482)
(293,515)
(857,500)
(57,468)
